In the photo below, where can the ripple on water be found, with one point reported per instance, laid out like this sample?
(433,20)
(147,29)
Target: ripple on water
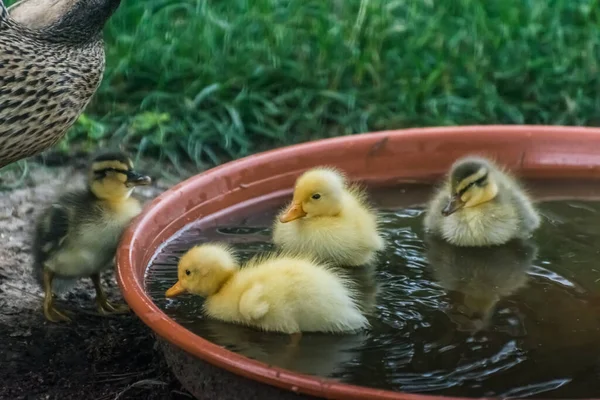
(514,322)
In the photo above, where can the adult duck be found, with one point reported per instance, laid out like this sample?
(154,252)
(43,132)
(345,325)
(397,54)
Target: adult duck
(51,64)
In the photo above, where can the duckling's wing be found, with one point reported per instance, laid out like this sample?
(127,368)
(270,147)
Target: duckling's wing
(527,213)
(252,304)
(54,230)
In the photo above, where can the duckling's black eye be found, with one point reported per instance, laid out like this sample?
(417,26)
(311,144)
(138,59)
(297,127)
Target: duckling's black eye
(102,173)
(481,181)
(316,196)
(99,174)
(187,272)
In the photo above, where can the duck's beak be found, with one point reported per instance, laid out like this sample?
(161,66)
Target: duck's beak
(454,204)
(175,290)
(136,179)
(293,212)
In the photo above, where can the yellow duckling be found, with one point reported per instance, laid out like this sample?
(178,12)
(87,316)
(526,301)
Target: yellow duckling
(330,220)
(77,236)
(273,293)
(480,205)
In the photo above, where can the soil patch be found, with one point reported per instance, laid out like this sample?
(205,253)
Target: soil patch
(94,357)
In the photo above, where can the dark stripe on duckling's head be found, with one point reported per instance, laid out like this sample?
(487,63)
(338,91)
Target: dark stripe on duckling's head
(110,161)
(479,178)
(113,156)
(469,171)
(120,164)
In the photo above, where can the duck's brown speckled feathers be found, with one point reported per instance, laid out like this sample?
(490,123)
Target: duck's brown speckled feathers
(48,75)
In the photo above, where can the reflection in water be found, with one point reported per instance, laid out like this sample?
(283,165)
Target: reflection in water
(366,286)
(505,322)
(316,354)
(478,277)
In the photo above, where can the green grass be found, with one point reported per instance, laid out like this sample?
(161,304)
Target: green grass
(207,81)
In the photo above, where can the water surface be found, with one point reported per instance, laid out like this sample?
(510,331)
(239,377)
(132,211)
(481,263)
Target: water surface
(520,320)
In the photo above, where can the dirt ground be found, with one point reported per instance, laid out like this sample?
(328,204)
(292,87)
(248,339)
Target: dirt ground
(93,357)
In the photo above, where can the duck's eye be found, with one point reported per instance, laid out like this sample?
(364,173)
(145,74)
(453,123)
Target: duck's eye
(187,272)
(98,175)
(316,196)
(481,181)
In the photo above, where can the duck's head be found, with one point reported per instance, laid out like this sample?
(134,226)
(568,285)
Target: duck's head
(112,177)
(65,20)
(318,192)
(203,270)
(472,183)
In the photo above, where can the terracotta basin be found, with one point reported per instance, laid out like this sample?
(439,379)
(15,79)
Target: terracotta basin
(383,158)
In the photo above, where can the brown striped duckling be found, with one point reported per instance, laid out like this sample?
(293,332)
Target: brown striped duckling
(78,234)
(480,205)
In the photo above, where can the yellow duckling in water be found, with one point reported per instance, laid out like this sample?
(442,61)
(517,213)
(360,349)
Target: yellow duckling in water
(77,236)
(273,293)
(330,220)
(480,205)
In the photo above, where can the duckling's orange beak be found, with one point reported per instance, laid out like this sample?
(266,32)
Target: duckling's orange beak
(293,212)
(175,290)
(454,204)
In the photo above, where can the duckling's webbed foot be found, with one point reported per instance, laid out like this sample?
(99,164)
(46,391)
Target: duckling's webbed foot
(53,315)
(50,312)
(105,307)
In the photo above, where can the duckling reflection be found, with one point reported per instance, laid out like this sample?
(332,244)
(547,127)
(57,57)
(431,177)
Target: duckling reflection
(478,277)
(367,287)
(316,354)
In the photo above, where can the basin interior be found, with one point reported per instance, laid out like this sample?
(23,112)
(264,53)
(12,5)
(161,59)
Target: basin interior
(519,320)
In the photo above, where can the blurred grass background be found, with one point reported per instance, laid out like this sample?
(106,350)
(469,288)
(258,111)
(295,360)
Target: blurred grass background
(206,81)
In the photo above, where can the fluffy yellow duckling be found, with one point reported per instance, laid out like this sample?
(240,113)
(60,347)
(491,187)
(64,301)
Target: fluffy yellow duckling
(273,293)
(480,205)
(330,220)
(77,236)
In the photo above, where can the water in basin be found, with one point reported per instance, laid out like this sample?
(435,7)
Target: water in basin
(522,320)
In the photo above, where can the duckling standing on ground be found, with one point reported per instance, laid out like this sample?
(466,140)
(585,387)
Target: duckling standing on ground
(77,236)
(480,205)
(282,293)
(329,220)
(51,63)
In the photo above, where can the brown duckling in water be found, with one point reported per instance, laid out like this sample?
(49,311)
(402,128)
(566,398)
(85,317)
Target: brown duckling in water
(480,205)
(77,236)
(51,64)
